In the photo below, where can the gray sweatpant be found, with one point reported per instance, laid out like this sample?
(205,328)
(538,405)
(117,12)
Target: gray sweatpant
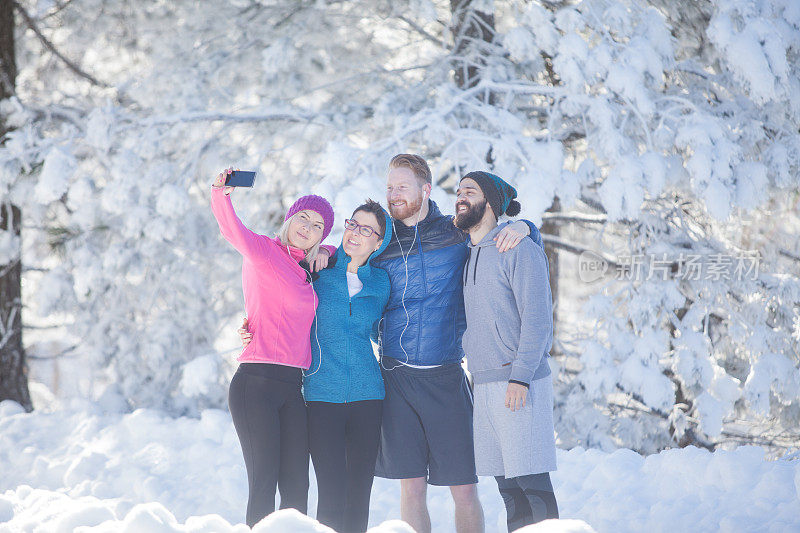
(514,443)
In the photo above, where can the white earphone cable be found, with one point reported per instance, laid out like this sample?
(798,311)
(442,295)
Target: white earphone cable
(313,293)
(405,287)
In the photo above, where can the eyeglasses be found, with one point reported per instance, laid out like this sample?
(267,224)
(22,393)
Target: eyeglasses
(366,231)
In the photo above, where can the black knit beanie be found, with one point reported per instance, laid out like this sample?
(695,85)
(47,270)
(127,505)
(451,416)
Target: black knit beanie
(498,193)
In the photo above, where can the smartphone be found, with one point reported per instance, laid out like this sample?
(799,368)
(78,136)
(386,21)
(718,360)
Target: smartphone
(240,178)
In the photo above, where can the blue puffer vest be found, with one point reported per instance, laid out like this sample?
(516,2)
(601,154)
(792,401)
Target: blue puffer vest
(433,299)
(343,365)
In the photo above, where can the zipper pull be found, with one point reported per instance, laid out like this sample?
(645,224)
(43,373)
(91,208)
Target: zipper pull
(351,307)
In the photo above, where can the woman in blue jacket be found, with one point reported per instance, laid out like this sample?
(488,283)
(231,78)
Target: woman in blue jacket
(343,388)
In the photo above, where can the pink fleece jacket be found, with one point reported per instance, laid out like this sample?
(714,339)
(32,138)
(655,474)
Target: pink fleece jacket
(279,302)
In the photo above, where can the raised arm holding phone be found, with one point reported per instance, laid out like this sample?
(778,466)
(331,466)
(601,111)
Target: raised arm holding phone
(265,396)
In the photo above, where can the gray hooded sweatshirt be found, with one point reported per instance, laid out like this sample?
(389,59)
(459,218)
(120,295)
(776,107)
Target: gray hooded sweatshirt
(509,311)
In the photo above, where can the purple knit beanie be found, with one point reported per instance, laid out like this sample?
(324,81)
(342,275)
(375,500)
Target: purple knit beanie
(319,205)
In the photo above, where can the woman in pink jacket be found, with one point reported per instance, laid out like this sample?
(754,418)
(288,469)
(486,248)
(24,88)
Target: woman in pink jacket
(265,399)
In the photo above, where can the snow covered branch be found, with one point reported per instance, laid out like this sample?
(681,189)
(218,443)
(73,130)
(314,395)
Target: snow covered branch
(561,244)
(292,116)
(787,253)
(579,218)
(50,46)
(422,31)
(58,8)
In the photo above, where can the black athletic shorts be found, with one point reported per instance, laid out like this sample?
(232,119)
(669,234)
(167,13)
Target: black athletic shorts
(427,425)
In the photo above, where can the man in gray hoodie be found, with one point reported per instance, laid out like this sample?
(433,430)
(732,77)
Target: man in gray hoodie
(509,312)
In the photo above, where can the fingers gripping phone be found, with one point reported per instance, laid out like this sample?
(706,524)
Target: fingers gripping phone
(240,178)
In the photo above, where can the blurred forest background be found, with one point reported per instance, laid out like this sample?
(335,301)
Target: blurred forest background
(655,140)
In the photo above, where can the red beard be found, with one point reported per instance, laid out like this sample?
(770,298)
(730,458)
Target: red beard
(403,212)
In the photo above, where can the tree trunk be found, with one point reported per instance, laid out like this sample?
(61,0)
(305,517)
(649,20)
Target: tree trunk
(552,228)
(13,368)
(472,31)
(8,63)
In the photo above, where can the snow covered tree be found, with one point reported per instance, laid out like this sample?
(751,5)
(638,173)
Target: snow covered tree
(637,133)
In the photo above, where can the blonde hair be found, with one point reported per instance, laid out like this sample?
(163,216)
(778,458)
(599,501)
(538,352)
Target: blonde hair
(283,235)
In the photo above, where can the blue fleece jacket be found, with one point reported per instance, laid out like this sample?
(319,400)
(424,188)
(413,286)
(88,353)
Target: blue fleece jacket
(343,365)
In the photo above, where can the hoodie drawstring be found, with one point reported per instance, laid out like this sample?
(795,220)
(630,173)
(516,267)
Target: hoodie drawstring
(475,270)
(474,267)
(466,267)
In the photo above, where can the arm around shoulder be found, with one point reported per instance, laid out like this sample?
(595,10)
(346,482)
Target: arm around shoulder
(534,234)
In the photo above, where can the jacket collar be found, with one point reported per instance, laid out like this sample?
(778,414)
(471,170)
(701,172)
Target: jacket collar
(295,253)
(488,239)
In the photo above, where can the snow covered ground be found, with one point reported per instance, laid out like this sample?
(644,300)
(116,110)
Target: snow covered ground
(81,466)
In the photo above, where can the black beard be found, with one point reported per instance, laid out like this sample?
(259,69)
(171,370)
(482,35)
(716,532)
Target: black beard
(471,217)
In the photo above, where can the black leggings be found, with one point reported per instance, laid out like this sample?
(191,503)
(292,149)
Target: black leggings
(529,499)
(270,418)
(344,438)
